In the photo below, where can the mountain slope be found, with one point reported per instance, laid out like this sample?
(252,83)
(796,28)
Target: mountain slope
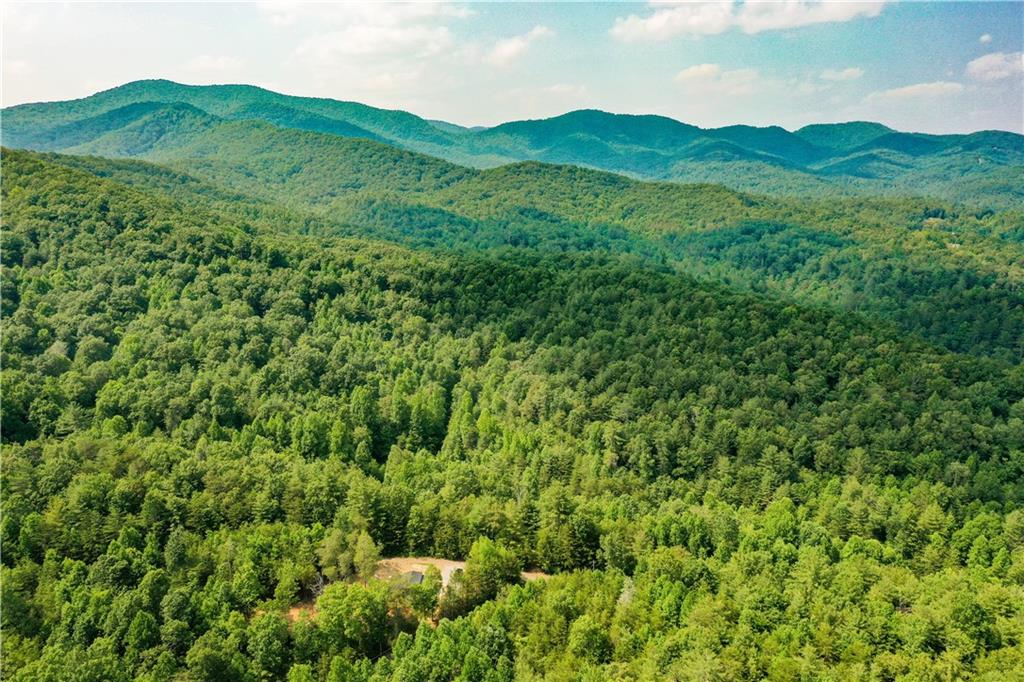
(842,136)
(773,141)
(226,101)
(159,126)
(812,161)
(624,129)
(949,274)
(211,431)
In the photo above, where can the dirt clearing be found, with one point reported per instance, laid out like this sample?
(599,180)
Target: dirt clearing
(396,566)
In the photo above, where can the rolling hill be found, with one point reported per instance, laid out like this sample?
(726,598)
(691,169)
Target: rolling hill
(211,419)
(829,159)
(950,274)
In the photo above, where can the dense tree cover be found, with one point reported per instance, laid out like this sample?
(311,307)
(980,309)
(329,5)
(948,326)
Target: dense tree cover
(947,273)
(821,160)
(208,420)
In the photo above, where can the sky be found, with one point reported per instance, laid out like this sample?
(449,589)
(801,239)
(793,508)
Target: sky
(922,66)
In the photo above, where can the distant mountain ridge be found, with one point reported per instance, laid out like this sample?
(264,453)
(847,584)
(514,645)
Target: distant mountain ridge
(921,263)
(842,158)
(843,135)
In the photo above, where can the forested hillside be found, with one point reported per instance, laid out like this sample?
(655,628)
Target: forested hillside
(216,409)
(949,273)
(848,159)
(766,426)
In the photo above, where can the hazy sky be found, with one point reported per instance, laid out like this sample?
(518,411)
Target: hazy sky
(928,66)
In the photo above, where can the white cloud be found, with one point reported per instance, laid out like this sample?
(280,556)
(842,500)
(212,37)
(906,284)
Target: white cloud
(392,54)
(20,18)
(710,78)
(210,64)
(508,50)
(693,19)
(710,18)
(756,17)
(368,41)
(338,32)
(278,13)
(916,91)
(985,38)
(699,73)
(17,67)
(848,74)
(996,66)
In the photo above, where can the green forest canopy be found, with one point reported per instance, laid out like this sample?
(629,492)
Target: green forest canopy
(948,273)
(212,400)
(771,428)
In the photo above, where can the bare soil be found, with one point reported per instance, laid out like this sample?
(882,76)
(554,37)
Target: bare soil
(392,568)
(301,611)
(396,566)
